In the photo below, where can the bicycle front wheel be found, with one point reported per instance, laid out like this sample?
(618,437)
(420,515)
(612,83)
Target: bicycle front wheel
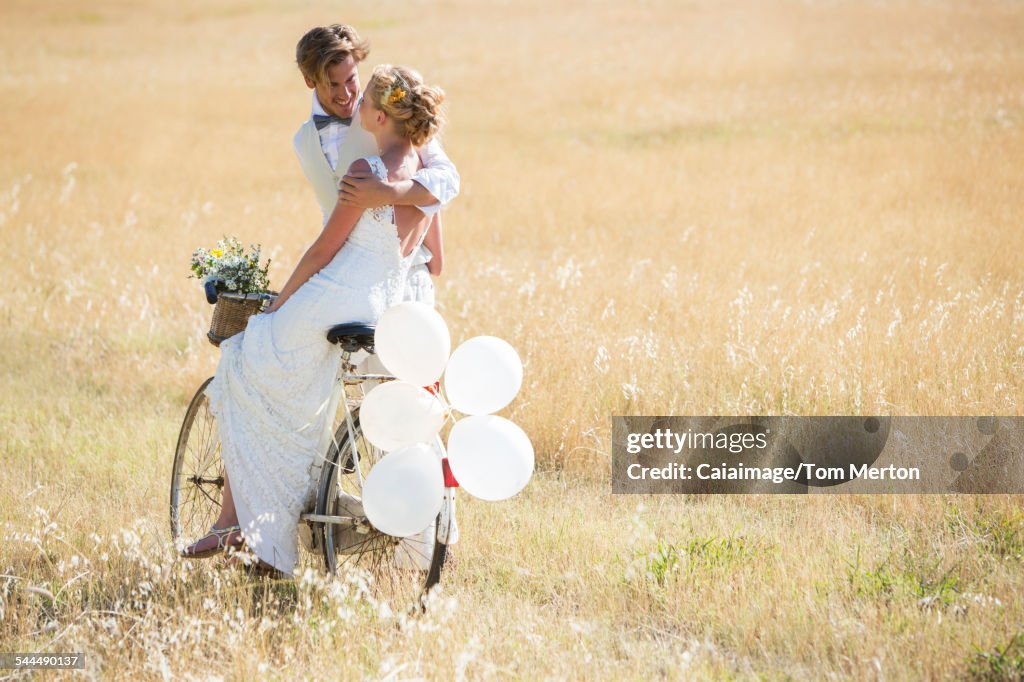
(398,570)
(197,476)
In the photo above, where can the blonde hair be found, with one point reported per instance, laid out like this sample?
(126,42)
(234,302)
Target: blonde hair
(415,108)
(324,46)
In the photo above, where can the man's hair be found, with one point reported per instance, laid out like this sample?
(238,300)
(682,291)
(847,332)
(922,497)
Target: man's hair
(324,46)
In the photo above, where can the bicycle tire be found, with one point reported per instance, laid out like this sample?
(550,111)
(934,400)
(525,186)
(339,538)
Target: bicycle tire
(197,475)
(378,551)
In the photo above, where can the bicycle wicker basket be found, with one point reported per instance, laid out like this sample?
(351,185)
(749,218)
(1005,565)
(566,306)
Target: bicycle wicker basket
(232,312)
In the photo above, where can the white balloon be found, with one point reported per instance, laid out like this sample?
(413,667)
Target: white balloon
(491,457)
(484,374)
(397,413)
(404,491)
(413,342)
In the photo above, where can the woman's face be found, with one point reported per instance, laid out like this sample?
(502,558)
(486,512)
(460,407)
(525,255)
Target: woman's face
(368,114)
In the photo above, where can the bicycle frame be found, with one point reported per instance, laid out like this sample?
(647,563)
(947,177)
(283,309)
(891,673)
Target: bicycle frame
(347,376)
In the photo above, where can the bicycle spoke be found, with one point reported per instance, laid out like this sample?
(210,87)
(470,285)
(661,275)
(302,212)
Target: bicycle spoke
(362,543)
(207,495)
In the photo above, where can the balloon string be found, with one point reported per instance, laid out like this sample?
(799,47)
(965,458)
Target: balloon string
(449,411)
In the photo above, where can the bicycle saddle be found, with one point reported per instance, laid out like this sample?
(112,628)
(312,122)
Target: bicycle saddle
(352,336)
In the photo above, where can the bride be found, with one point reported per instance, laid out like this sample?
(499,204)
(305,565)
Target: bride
(273,381)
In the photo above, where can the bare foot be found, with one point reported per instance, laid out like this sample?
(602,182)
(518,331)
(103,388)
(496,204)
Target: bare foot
(216,541)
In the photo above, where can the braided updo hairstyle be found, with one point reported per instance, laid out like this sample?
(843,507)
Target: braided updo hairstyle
(415,108)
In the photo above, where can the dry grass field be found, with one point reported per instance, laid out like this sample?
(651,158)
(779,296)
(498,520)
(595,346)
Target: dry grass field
(668,207)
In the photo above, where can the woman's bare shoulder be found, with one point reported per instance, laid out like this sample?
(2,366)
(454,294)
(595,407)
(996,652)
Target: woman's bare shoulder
(359,166)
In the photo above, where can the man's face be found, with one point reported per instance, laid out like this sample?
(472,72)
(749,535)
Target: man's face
(339,94)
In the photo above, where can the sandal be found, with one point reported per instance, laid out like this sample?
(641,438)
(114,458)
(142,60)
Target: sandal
(221,546)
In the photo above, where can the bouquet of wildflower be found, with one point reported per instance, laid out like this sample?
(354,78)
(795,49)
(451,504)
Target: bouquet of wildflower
(231,267)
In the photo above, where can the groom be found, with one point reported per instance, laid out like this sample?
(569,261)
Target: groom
(327,143)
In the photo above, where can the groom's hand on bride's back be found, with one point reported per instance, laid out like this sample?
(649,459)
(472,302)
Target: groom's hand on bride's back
(363,189)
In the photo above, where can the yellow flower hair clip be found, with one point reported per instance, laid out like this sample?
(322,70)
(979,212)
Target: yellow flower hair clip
(397,94)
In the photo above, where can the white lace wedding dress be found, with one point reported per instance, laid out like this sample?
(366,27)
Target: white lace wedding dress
(274,381)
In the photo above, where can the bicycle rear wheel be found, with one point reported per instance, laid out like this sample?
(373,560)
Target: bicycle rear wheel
(197,477)
(398,570)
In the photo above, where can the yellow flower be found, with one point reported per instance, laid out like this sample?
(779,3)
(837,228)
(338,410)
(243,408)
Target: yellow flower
(217,253)
(396,95)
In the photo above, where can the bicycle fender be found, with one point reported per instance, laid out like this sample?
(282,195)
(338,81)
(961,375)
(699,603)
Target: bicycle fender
(447,528)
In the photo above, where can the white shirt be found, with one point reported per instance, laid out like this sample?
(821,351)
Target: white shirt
(331,135)
(438,175)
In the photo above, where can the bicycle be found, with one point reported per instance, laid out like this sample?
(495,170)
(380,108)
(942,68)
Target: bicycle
(333,525)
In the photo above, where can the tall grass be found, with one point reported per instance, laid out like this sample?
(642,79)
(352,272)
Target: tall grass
(690,208)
